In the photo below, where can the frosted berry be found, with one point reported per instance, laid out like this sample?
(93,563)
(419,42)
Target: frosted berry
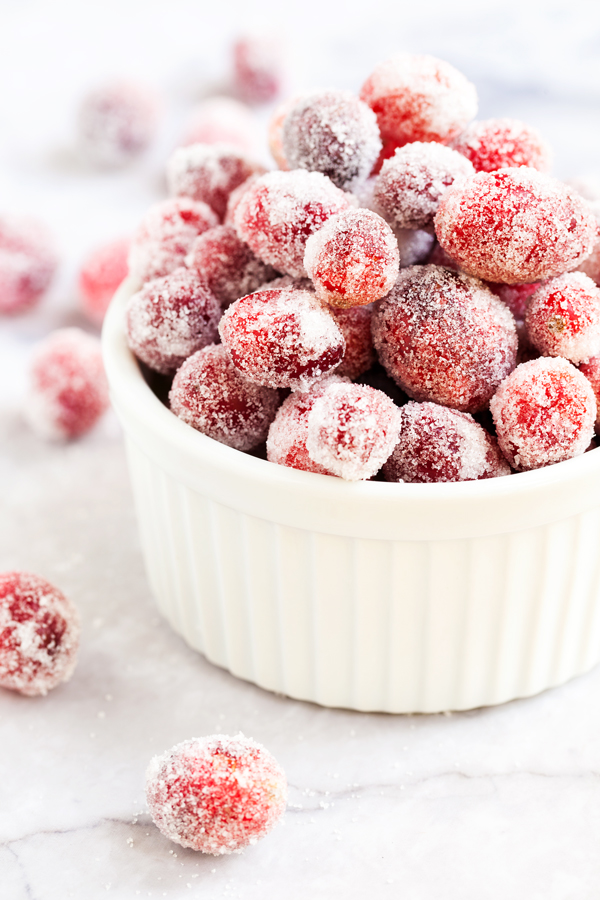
(441,444)
(353,259)
(216,794)
(165,236)
(515,225)
(210,395)
(68,391)
(444,337)
(410,185)
(275,131)
(221,120)
(116,123)
(282,338)
(279,212)
(100,275)
(39,634)
(355,325)
(257,69)
(227,265)
(544,413)
(332,132)
(209,172)
(516,296)
(352,430)
(286,444)
(492,144)
(171,318)
(591,370)
(27,263)
(563,317)
(419,98)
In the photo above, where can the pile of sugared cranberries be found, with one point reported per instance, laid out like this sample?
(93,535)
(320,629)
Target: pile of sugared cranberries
(417,281)
(39,634)
(216,794)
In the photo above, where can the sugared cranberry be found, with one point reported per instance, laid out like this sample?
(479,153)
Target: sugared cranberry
(216,794)
(116,123)
(419,98)
(563,317)
(221,120)
(279,212)
(275,131)
(171,318)
(352,430)
(355,325)
(286,444)
(515,225)
(210,395)
(39,634)
(492,144)
(353,259)
(209,172)
(100,275)
(68,391)
(591,370)
(516,296)
(166,234)
(410,185)
(227,265)
(257,69)
(444,337)
(544,413)
(27,263)
(332,132)
(441,444)
(282,338)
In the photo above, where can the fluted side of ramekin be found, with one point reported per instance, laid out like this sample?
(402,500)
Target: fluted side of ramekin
(482,592)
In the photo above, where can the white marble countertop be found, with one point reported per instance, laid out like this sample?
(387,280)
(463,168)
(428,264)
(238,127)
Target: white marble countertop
(482,805)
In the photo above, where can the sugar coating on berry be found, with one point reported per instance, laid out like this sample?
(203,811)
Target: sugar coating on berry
(171,318)
(353,259)
(355,325)
(563,317)
(116,123)
(275,131)
(100,275)
(68,391)
(279,212)
(515,225)
(544,413)
(492,144)
(441,444)
(332,132)
(39,634)
(227,265)
(419,98)
(516,296)
(214,398)
(591,370)
(166,234)
(352,430)
(410,185)
(444,337)
(286,443)
(27,263)
(209,172)
(217,794)
(257,69)
(221,120)
(282,338)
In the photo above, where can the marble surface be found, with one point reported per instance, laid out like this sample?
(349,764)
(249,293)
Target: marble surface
(479,805)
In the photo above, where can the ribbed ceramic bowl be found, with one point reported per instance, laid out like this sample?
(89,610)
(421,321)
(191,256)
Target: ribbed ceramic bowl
(372,596)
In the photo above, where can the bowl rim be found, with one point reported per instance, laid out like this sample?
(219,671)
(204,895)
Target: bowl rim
(538,497)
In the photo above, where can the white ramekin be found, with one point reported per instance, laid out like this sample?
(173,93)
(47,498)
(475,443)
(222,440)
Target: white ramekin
(371,596)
